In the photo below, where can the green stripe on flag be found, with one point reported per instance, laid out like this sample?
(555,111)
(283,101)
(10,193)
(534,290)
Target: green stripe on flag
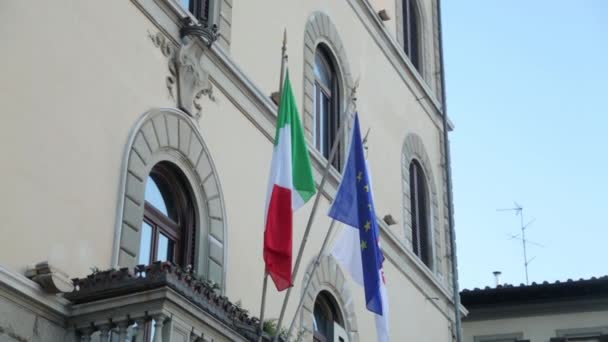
(303,180)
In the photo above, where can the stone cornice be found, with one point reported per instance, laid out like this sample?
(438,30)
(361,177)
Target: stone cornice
(18,288)
(402,65)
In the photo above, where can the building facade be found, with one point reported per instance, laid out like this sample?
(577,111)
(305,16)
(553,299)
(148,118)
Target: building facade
(140,133)
(575,310)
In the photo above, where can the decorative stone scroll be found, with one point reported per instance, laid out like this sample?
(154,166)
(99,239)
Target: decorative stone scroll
(188,81)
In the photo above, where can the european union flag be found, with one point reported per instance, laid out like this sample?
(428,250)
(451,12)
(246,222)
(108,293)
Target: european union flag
(354,206)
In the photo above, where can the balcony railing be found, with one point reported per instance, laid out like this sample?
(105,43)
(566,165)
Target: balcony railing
(158,303)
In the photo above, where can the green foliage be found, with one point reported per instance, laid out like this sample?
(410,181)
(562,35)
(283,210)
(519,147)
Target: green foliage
(270,327)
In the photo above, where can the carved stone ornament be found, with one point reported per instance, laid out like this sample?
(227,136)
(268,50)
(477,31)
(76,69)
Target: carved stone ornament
(188,81)
(51,279)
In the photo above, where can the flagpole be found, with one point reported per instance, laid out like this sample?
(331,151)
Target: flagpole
(312,272)
(315,205)
(317,260)
(281,80)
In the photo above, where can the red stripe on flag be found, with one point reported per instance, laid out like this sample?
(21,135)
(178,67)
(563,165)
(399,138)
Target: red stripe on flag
(278,237)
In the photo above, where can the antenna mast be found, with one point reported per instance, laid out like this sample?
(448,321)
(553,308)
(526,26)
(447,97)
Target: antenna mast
(519,210)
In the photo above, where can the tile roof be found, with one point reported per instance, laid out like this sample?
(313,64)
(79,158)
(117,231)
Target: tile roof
(536,292)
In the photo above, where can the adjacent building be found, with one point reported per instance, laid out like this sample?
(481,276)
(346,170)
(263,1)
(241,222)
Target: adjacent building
(574,310)
(136,139)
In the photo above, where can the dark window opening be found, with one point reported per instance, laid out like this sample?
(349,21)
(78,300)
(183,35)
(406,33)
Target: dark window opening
(419,204)
(328,323)
(326,105)
(411,32)
(200,9)
(167,230)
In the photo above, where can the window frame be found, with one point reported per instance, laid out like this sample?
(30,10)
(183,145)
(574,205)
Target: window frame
(181,228)
(514,337)
(331,308)
(206,12)
(326,124)
(201,9)
(412,41)
(420,212)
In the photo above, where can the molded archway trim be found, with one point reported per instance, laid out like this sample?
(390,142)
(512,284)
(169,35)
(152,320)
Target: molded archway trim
(328,277)
(168,134)
(320,30)
(413,148)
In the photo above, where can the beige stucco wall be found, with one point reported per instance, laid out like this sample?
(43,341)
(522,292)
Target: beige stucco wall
(535,328)
(77,77)
(73,84)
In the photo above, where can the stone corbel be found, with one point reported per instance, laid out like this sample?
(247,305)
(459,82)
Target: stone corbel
(50,278)
(188,82)
(192,79)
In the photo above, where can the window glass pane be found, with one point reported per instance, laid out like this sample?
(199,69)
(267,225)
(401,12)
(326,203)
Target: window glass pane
(145,246)
(414,208)
(413,28)
(321,320)
(317,125)
(423,216)
(154,196)
(322,71)
(325,318)
(165,248)
(185,4)
(325,131)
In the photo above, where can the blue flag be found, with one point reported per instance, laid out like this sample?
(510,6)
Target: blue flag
(354,206)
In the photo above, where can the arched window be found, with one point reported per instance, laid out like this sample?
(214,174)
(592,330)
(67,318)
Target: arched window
(327,321)
(326,103)
(167,230)
(420,213)
(411,32)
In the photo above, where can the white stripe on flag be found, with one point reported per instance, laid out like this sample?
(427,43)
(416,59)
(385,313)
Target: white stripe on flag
(382,321)
(348,255)
(346,251)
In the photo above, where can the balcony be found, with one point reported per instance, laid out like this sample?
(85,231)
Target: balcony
(158,303)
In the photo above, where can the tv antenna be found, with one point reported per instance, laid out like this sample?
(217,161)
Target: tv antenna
(519,210)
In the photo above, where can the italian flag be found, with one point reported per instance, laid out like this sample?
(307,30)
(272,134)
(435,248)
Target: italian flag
(290,186)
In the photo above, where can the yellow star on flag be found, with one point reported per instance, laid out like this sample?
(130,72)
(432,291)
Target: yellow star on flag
(368,226)
(363,245)
(360,176)
(366,188)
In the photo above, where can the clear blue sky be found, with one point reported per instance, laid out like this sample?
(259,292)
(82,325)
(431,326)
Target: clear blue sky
(526,83)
